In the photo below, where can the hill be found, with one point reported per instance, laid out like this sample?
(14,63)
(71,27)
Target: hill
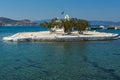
(95,22)
(105,23)
(7,20)
(26,22)
(11,22)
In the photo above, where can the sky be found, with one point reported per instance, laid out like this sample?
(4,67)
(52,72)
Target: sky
(105,10)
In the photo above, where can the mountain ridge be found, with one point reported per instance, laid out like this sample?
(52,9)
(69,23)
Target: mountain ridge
(99,22)
(27,22)
(11,22)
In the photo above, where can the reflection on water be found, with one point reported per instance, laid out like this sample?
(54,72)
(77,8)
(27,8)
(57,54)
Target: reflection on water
(58,61)
(86,60)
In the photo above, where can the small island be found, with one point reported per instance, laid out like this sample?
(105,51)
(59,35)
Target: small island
(62,30)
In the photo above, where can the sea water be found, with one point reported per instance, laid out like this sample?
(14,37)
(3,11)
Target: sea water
(84,60)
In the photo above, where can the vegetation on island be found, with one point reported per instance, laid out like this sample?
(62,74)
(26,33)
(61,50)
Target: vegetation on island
(1,24)
(67,24)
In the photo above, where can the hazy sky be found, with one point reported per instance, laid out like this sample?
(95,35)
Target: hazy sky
(107,10)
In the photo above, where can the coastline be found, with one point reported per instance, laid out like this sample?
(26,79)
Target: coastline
(59,37)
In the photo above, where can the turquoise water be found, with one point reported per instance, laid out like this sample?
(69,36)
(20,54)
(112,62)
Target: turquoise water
(85,60)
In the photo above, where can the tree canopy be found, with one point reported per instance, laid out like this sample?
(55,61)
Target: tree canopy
(68,25)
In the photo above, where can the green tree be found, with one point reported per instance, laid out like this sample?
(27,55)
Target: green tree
(68,25)
(1,24)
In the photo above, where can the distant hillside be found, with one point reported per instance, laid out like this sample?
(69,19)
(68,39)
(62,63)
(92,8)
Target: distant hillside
(104,23)
(11,22)
(7,20)
(26,22)
(40,21)
(95,22)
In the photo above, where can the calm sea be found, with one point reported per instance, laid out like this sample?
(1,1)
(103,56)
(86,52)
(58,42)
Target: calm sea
(85,60)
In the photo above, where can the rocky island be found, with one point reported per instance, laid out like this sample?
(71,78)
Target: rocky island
(59,37)
(66,30)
